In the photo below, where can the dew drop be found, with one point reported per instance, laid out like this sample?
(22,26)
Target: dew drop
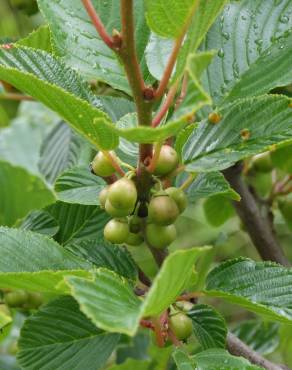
(221,53)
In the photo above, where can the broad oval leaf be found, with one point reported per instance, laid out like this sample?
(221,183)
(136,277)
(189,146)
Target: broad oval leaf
(79,186)
(59,336)
(103,254)
(254,49)
(261,287)
(79,44)
(248,126)
(40,222)
(220,359)
(209,326)
(20,192)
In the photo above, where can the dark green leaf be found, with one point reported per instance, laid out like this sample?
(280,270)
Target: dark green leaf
(40,222)
(59,336)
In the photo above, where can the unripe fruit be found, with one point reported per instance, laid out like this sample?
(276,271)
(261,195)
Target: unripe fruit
(101,166)
(34,300)
(123,194)
(117,212)
(116,231)
(167,161)
(103,196)
(134,239)
(179,197)
(162,210)
(262,162)
(135,224)
(16,299)
(185,305)
(181,325)
(160,236)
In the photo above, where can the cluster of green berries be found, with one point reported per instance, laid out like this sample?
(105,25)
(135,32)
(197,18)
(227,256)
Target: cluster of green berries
(134,219)
(23,299)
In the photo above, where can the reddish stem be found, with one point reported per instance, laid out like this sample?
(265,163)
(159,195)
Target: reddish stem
(114,163)
(165,106)
(183,92)
(15,96)
(155,157)
(98,23)
(173,338)
(189,296)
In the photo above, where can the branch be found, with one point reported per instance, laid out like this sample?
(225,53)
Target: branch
(239,348)
(96,21)
(165,106)
(15,96)
(258,226)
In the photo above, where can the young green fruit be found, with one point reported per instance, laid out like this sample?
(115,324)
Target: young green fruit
(116,231)
(101,166)
(16,299)
(134,239)
(35,300)
(116,212)
(167,161)
(160,236)
(179,197)
(263,162)
(162,210)
(123,194)
(181,325)
(103,196)
(135,224)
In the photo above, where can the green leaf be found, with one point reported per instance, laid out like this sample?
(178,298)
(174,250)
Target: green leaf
(80,186)
(172,279)
(108,300)
(59,336)
(103,254)
(131,364)
(208,184)
(77,221)
(50,81)
(16,140)
(183,360)
(252,58)
(281,158)
(217,359)
(209,326)
(33,262)
(261,287)
(5,319)
(123,311)
(56,158)
(247,128)
(218,209)
(261,336)
(20,192)
(73,31)
(168,18)
(38,39)
(40,222)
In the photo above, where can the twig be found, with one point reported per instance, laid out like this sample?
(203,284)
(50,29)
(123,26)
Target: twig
(96,21)
(239,348)
(258,226)
(183,93)
(173,57)
(114,163)
(188,296)
(15,96)
(165,106)
(144,278)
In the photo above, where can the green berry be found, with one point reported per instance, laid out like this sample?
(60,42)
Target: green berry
(179,197)
(162,210)
(116,212)
(167,161)
(101,165)
(134,239)
(103,196)
(160,236)
(181,325)
(135,224)
(123,194)
(35,300)
(16,299)
(116,231)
